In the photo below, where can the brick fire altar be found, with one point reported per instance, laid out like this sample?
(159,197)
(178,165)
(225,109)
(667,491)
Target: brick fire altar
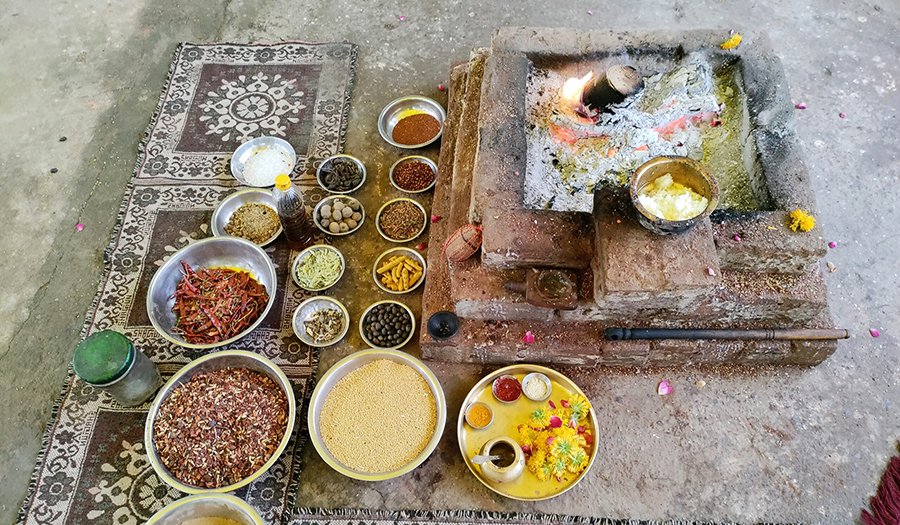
(740,268)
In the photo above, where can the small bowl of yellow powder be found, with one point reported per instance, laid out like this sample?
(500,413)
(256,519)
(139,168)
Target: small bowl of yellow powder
(672,194)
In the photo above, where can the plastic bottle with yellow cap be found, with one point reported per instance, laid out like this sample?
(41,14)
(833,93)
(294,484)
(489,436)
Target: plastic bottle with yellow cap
(298,227)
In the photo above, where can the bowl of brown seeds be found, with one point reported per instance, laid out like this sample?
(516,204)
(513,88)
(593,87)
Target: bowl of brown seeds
(250,214)
(401,220)
(220,422)
(321,321)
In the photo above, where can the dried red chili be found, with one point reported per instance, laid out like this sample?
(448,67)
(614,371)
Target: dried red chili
(507,389)
(215,304)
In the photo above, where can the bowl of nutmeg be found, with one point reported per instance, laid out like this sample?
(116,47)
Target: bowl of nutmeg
(220,422)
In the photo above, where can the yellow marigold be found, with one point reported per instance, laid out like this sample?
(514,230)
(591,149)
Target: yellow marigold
(545,472)
(578,461)
(801,221)
(564,432)
(527,435)
(540,418)
(579,406)
(536,461)
(579,440)
(558,466)
(732,42)
(563,447)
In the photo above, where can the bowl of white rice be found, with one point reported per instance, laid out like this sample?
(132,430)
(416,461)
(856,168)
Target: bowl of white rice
(377,414)
(258,161)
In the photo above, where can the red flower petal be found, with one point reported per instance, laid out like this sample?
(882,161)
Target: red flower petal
(555,422)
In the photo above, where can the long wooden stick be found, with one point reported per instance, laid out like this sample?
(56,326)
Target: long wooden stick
(789,334)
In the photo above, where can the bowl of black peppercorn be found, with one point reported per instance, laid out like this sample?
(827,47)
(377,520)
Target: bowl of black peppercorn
(341,174)
(387,324)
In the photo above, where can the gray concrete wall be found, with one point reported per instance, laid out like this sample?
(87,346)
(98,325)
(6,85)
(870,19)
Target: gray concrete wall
(805,445)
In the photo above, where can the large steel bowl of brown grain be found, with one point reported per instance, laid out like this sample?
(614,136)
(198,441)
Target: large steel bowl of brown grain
(339,371)
(218,361)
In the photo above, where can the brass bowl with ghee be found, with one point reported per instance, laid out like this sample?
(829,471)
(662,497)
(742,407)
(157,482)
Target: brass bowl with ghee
(684,171)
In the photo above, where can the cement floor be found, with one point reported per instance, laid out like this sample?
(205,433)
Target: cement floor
(780,445)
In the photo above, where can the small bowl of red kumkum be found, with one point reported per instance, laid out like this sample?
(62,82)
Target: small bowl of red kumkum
(413,174)
(411,122)
(506,389)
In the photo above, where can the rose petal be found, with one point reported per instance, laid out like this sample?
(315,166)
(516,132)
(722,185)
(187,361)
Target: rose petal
(442,87)
(737,237)
(402,18)
(842,115)
(875,332)
(664,388)
(588,438)
(79,227)
(528,338)
(421,246)
(550,440)
(555,422)
(800,105)
(832,244)
(581,429)
(435,219)
(710,271)
(564,403)
(526,449)
(552,404)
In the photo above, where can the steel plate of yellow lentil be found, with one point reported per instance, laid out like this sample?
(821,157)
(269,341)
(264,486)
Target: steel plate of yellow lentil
(507,419)
(378,417)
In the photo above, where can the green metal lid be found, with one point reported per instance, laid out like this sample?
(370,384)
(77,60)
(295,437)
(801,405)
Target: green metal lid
(103,357)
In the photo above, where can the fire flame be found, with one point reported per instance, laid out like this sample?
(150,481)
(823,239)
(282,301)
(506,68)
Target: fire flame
(571,97)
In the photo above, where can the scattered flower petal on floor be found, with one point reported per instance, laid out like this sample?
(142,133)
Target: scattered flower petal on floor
(528,338)
(737,237)
(402,18)
(442,87)
(435,218)
(664,388)
(875,332)
(79,227)
(832,244)
(800,105)
(710,271)
(421,246)
(732,42)
(842,115)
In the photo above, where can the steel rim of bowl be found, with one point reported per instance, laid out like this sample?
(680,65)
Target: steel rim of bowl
(418,98)
(415,255)
(245,507)
(310,249)
(332,198)
(362,331)
(328,299)
(235,163)
(163,472)
(392,201)
(431,164)
(221,233)
(469,399)
(653,163)
(174,258)
(359,163)
(439,400)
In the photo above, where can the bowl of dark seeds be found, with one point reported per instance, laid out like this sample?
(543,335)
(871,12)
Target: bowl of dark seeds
(339,215)
(413,174)
(341,174)
(220,422)
(401,220)
(321,321)
(387,324)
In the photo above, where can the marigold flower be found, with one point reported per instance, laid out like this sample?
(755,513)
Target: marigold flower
(801,221)
(579,406)
(540,418)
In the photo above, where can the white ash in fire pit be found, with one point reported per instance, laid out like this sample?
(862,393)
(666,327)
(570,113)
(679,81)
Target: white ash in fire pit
(568,157)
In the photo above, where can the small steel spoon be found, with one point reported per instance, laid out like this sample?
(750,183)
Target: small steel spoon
(481,458)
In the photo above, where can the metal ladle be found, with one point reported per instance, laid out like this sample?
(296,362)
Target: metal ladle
(483,458)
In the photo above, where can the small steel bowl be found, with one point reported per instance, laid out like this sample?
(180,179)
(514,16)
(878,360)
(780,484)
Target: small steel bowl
(684,171)
(485,405)
(209,362)
(314,304)
(414,158)
(231,252)
(305,253)
(494,388)
(329,200)
(206,506)
(398,199)
(349,364)
(320,173)
(222,214)
(250,148)
(362,331)
(387,254)
(537,376)
(398,109)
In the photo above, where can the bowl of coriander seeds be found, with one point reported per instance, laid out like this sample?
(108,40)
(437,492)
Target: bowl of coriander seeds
(250,214)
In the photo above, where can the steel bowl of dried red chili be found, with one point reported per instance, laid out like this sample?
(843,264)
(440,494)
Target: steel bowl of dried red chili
(211,292)
(220,422)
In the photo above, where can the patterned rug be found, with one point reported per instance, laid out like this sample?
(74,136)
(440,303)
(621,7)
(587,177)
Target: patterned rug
(459,517)
(92,467)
